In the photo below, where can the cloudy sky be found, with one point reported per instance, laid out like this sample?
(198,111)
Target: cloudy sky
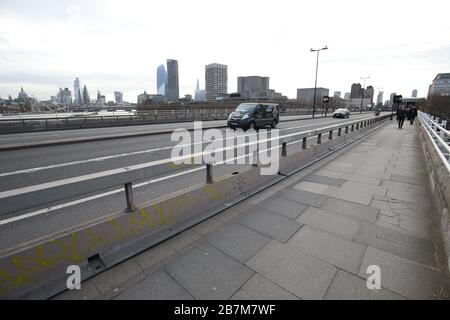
(117,45)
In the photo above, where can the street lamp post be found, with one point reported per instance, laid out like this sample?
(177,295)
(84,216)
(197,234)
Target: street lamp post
(362,93)
(315,84)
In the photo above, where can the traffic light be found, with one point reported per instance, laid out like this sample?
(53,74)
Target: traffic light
(326,99)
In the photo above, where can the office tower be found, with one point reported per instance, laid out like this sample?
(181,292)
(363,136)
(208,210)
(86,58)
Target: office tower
(440,85)
(380,98)
(306,95)
(337,94)
(253,83)
(356,91)
(118,96)
(216,80)
(77,92)
(369,93)
(172,89)
(347,96)
(161,80)
(200,95)
(414,93)
(86,98)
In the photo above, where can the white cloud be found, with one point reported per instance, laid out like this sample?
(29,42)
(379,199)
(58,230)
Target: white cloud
(117,45)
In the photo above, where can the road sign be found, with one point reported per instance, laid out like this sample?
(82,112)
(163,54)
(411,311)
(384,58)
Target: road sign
(326,99)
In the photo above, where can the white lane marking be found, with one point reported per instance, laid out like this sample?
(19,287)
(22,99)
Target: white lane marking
(105,194)
(67,164)
(94,197)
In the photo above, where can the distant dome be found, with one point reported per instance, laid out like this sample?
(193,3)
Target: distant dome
(23,96)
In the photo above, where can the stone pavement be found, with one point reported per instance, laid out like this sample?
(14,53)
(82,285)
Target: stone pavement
(311,236)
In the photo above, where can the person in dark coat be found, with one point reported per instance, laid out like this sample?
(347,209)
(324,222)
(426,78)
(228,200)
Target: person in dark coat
(413,115)
(401,115)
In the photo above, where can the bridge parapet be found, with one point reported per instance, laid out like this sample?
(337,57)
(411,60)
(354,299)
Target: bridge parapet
(435,141)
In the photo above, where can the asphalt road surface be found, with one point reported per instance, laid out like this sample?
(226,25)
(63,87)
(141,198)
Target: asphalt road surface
(21,168)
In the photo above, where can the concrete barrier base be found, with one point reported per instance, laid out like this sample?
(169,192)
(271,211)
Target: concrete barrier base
(439,179)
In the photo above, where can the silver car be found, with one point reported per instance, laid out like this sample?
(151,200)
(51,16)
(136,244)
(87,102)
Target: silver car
(341,113)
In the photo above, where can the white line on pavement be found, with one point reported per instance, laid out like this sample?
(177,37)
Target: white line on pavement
(99,159)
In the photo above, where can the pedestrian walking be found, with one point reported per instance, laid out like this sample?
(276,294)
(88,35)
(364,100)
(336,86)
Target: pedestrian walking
(401,114)
(413,115)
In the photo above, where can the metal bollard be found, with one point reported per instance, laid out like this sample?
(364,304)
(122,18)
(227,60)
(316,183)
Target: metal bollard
(257,157)
(209,173)
(319,138)
(284,149)
(330,135)
(339,132)
(346,129)
(353,127)
(129,197)
(357,126)
(304,146)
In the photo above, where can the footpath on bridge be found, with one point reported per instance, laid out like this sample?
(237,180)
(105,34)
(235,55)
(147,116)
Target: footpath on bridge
(311,236)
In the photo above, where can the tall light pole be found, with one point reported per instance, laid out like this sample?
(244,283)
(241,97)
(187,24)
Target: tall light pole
(362,93)
(317,69)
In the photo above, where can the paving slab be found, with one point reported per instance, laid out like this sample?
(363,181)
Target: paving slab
(346,286)
(403,276)
(117,275)
(325,180)
(335,250)
(159,286)
(207,273)
(298,272)
(353,210)
(270,224)
(238,241)
(260,288)
(358,197)
(284,207)
(398,243)
(303,197)
(312,187)
(182,240)
(330,222)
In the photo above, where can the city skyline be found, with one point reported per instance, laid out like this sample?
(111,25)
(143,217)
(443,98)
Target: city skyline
(397,62)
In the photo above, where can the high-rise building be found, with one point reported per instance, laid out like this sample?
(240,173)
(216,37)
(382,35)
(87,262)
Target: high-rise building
(414,93)
(216,80)
(440,85)
(172,89)
(161,80)
(118,96)
(101,99)
(369,93)
(391,99)
(86,98)
(306,95)
(337,94)
(64,97)
(200,95)
(347,96)
(252,83)
(77,92)
(380,98)
(356,91)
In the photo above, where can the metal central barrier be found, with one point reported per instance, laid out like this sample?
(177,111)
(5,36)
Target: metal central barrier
(38,269)
(11,124)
